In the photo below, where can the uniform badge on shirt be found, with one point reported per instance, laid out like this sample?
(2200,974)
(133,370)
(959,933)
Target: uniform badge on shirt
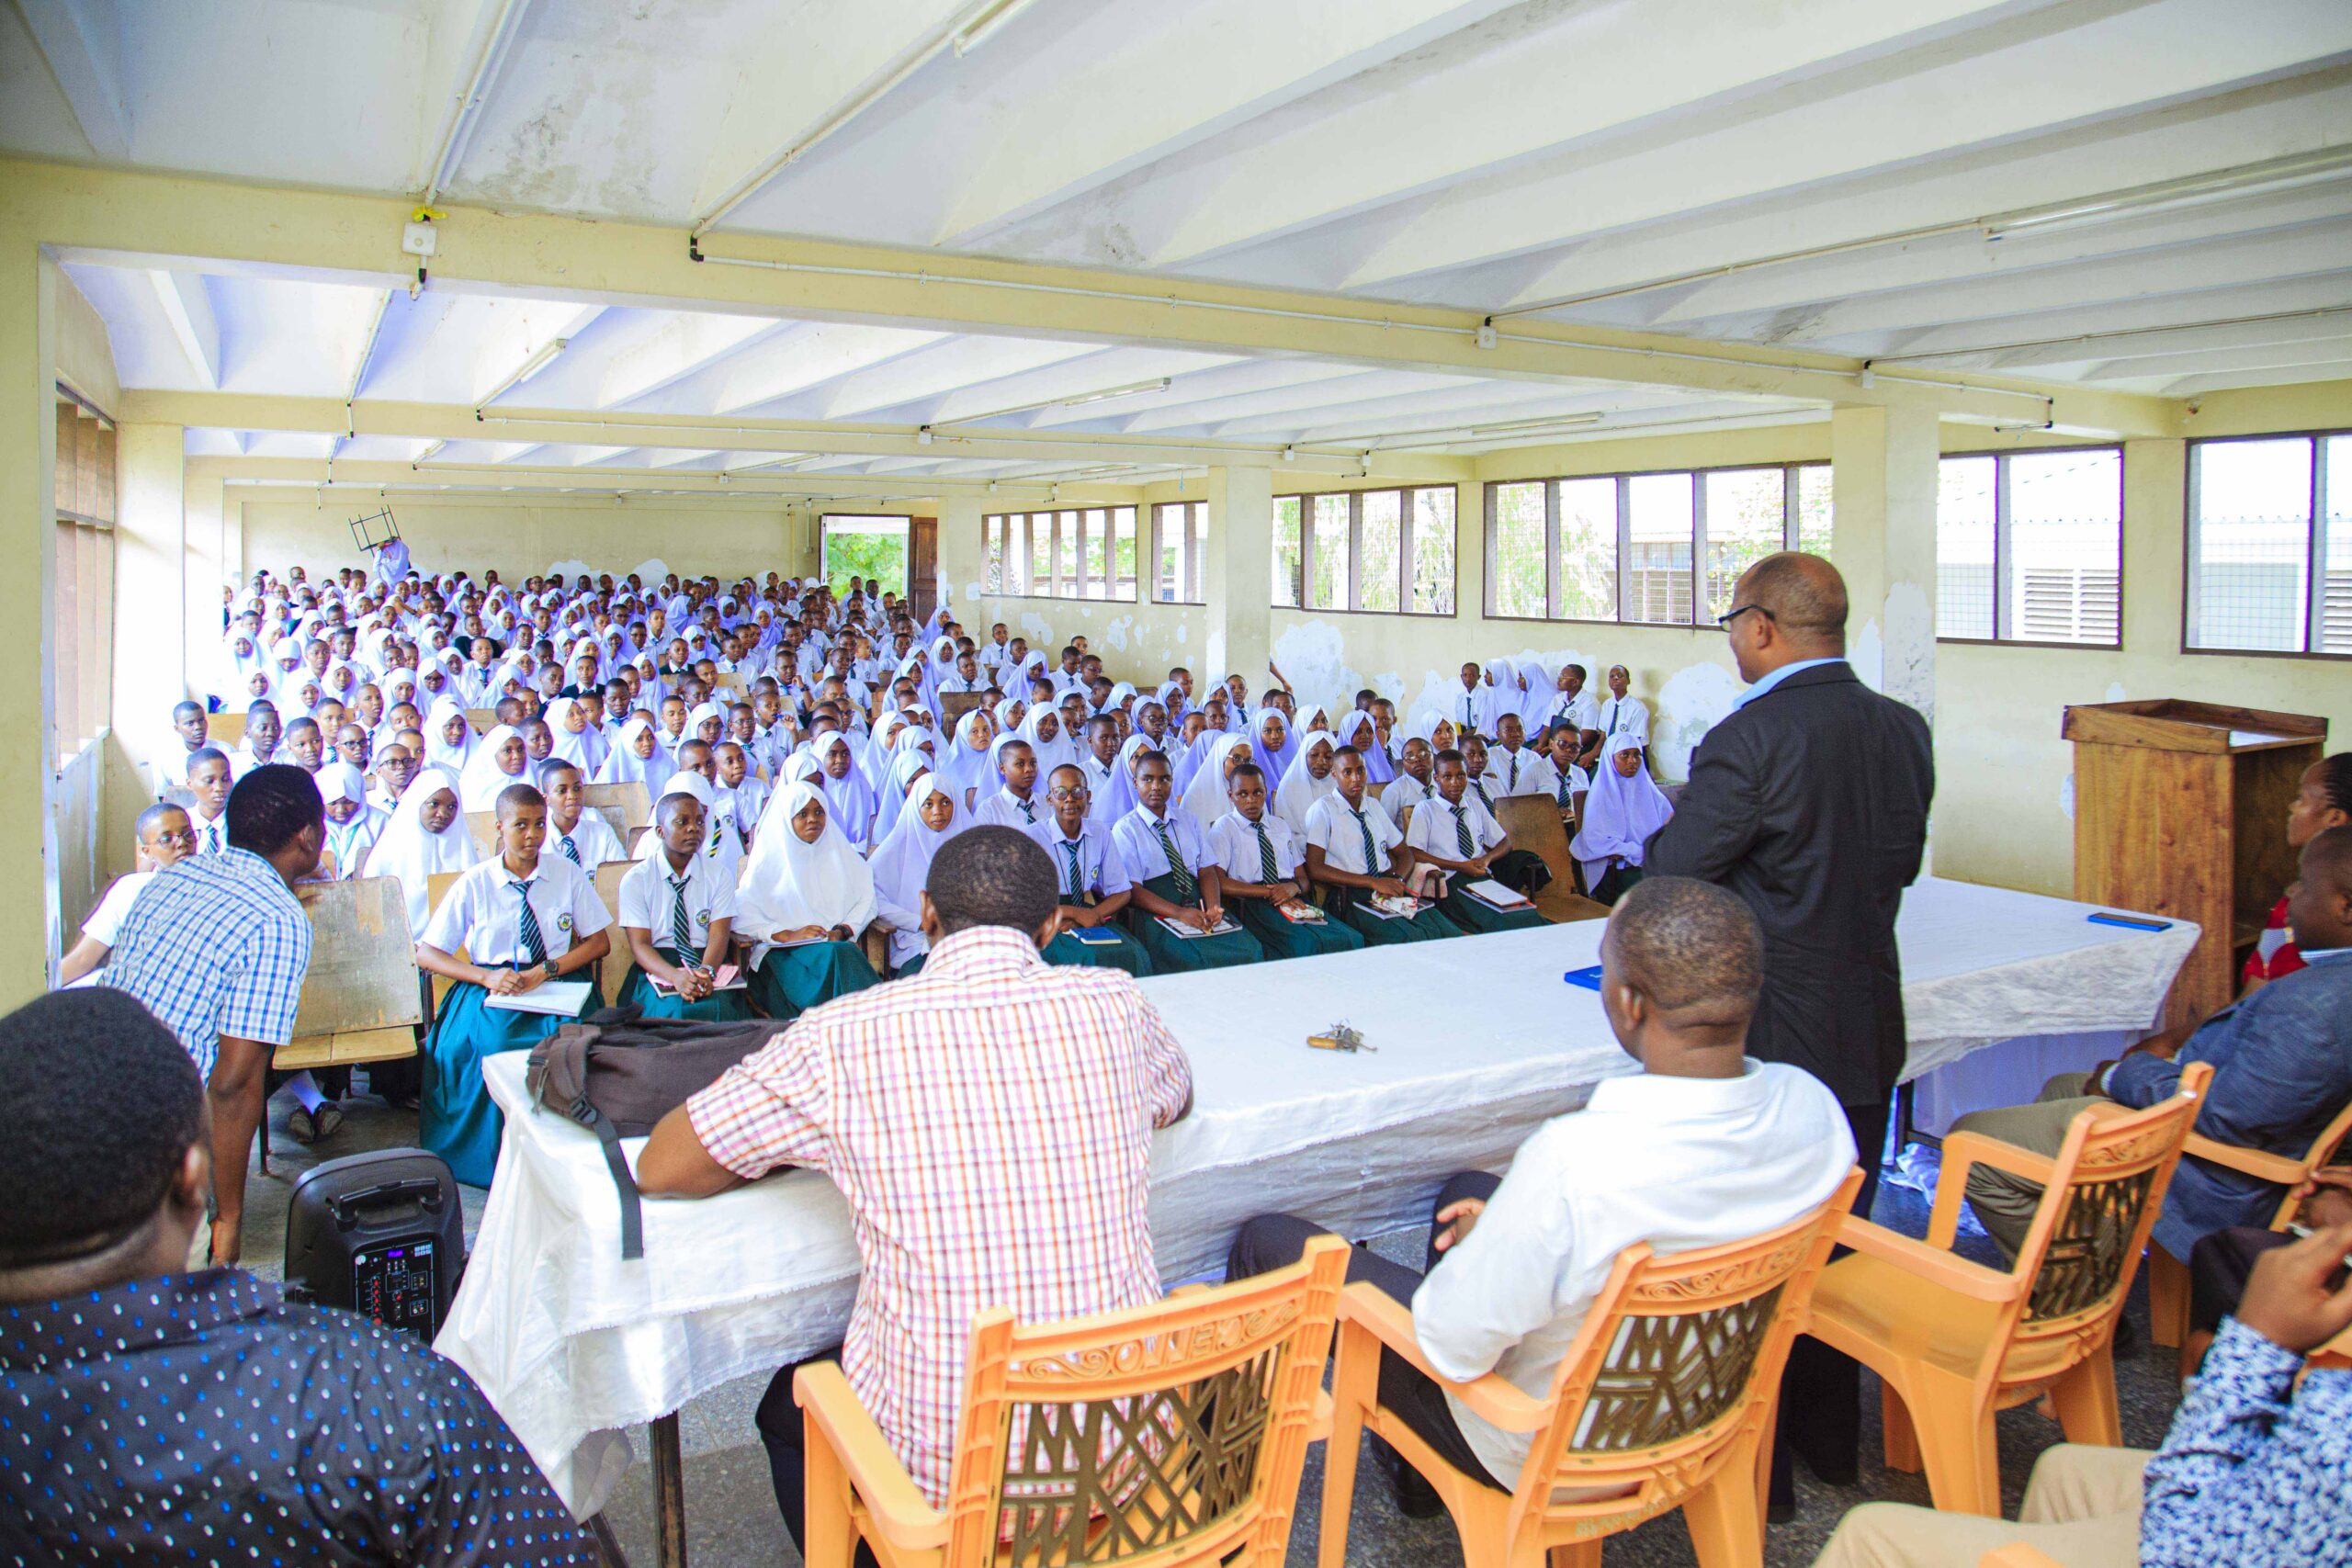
(563,924)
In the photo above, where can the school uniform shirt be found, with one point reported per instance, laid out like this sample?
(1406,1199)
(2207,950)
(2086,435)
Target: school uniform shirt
(1439,824)
(104,923)
(1579,711)
(1624,715)
(1065,682)
(1098,774)
(1679,1163)
(243,761)
(1464,708)
(1239,847)
(1578,782)
(1003,809)
(1334,828)
(482,913)
(1404,793)
(479,683)
(1513,772)
(649,900)
(350,841)
(211,832)
(1141,854)
(1087,863)
(591,843)
(172,761)
(958,683)
(995,656)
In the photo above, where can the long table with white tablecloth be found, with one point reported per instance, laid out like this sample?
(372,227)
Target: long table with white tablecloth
(1475,1041)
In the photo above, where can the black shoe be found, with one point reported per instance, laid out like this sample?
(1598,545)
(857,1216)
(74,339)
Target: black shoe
(2129,1341)
(1839,1470)
(1414,1496)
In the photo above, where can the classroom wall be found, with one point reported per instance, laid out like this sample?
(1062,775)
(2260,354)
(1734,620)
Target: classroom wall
(522,537)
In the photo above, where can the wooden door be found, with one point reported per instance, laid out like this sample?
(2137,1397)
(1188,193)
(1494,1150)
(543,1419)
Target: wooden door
(923,566)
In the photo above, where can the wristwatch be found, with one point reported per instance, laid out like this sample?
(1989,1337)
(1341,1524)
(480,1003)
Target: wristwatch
(547,970)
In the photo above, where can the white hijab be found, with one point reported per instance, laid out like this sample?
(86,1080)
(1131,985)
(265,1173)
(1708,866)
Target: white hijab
(1300,790)
(1204,797)
(406,851)
(622,764)
(480,785)
(438,753)
(1621,813)
(902,862)
(788,883)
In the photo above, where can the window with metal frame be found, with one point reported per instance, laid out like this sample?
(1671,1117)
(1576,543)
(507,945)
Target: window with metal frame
(1661,548)
(1371,552)
(1082,552)
(2030,546)
(1180,535)
(2270,545)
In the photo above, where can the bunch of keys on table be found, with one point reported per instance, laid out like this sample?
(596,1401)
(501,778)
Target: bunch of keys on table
(1341,1037)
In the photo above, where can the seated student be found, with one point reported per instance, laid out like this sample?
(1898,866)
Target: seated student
(1622,713)
(1566,783)
(1513,767)
(499,763)
(305,746)
(1461,838)
(1258,856)
(967,675)
(1353,850)
(850,800)
(1094,888)
(2282,1068)
(581,836)
(353,824)
(677,917)
(165,838)
(1702,1147)
(805,888)
(742,794)
(263,733)
(1625,808)
(395,765)
(210,774)
(102,1325)
(1102,759)
(2323,800)
(523,918)
(1473,763)
(1308,780)
(190,734)
(636,756)
(1359,730)
(2250,1475)
(1416,772)
(1465,708)
(1175,884)
(979,1170)
(1571,707)
(1014,803)
(351,745)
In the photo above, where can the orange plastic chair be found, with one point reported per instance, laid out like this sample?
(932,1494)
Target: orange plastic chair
(1172,1434)
(2168,1276)
(1954,1341)
(1664,1401)
(2018,1554)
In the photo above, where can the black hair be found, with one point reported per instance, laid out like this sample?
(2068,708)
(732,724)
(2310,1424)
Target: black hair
(992,876)
(2336,781)
(1688,944)
(1577,668)
(104,1103)
(668,804)
(554,765)
(1102,718)
(516,797)
(298,723)
(204,754)
(1450,754)
(1245,770)
(258,703)
(1152,754)
(270,807)
(182,709)
(153,815)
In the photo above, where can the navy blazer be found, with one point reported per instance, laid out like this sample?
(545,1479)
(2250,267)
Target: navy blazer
(1811,803)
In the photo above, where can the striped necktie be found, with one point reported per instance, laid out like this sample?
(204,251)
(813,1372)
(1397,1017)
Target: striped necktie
(1270,871)
(534,946)
(1077,872)
(1028,812)
(1484,798)
(1512,786)
(1563,787)
(571,849)
(1371,848)
(1186,889)
(212,838)
(1462,832)
(681,930)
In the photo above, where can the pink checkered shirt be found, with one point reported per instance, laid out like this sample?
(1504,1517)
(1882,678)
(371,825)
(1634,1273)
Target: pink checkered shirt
(990,1120)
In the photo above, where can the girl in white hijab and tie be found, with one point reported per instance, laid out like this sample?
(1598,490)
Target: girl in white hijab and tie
(1625,808)
(929,817)
(807,897)
(352,825)
(424,835)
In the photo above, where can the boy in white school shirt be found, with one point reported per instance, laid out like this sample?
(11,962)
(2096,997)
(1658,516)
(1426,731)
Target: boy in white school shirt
(677,914)
(578,834)
(1093,881)
(1513,767)
(1266,888)
(209,776)
(1015,804)
(1702,1147)
(1454,832)
(165,838)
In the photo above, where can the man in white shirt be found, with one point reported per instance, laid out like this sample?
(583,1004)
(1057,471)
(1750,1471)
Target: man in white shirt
(1702,1147)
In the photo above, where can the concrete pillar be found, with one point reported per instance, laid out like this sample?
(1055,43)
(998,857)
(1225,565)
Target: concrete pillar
(2155,521)
(960,557)
(1237,578)
(1883,540)
(28,911)
(201,569)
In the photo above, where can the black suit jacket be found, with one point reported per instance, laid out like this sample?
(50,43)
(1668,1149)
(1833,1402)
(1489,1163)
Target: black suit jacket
(1811,803)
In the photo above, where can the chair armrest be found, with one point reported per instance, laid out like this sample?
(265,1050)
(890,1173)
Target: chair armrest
(2017,1554)
(1933,1264)
(1964,1149)
(898,1509)
(2253,1162)
(1391,1322)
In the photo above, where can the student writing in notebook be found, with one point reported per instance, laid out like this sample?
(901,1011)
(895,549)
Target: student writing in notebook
(1459,837)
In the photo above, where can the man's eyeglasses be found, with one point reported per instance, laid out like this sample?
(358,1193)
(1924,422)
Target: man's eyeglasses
(1729,616)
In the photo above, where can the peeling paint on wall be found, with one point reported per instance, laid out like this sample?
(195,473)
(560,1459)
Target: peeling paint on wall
(1693,701)
(972,591)
(1116,634)
(2066,797)
(1313,657)
(1911,642)
(1866,651)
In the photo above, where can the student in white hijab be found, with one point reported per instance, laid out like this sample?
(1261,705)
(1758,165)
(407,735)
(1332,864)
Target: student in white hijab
(636,755)
(1042,728)
(929,817)
(352,833)
(1356,729)
(1204,796)
(1117,796)
(964,766)
(577,741)
(805,889)
(447,718)
(1303,785)
(850,800)
(426,834)
(1625,808)
(500,761)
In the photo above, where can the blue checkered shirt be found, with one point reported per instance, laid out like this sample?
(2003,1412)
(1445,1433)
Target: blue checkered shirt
(217,944)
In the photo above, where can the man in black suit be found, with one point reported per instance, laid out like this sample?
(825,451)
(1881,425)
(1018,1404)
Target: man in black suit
(1810,801)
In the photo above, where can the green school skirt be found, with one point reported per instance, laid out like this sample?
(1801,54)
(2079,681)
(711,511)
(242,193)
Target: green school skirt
(1379,932)
(1281,939)
(458,1120)
(1476,917)
(719,1007)
(791,980)
(1173,955)
(1122,952)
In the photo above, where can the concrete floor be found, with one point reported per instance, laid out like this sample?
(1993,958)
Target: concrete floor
(730,1507)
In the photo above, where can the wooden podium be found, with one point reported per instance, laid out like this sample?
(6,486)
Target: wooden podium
(2180,809)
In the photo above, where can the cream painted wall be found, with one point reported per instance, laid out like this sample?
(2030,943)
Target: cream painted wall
(84,355)
(519,539)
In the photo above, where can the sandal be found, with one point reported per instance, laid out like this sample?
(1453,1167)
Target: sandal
(311,1127)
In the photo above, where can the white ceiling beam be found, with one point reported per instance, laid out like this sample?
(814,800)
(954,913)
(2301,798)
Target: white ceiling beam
(466,43)
(1487,401)
(1036,393)
(1239,378)
(519,333)
(1364,385)
(2195,385)
(2332,349)
(2119,62)
(1990,335)
(84,53)
(676,346)
(187,307)
(948,366)
(810,355)
(262,474)
(1237,59)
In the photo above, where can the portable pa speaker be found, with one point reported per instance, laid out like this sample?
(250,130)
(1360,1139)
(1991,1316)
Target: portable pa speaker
(381,1235)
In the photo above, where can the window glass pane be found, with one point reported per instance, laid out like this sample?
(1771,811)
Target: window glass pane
(2335,550)
(872,547)
(2252,544)
(2065,564)
(1588,550)
(1165,562)
(1658,579)
(1964,491)
(1098,585)
(1433,550)
(992,546)
(1286,551)
(1066,574)
(1123,552)
(1041,554)
(1515,575)
(1746,519)
(1196,554)
(1379,577)
(1814,513)
(1329,589)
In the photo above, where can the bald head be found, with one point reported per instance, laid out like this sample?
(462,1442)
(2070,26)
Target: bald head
(1806,598)
(2319,906)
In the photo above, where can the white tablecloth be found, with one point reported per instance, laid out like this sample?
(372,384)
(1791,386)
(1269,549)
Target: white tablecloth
(1478,1041)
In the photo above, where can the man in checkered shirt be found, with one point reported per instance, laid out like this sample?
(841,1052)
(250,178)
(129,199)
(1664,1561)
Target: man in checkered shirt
(990,1122)
(216,947)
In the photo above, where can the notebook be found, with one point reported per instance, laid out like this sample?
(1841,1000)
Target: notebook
(1494,895)
(728,979)
(556,999)
(1191,932)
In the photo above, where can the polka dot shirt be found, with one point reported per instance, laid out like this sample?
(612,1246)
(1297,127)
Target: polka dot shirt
(200,1419)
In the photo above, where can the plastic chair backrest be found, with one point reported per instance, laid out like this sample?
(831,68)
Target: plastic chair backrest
(1534,823)
(624,806)
(1677,1357)
(2328,1148)
(1174,1432)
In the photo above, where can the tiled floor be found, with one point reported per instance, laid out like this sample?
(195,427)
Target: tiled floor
(730,1507)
